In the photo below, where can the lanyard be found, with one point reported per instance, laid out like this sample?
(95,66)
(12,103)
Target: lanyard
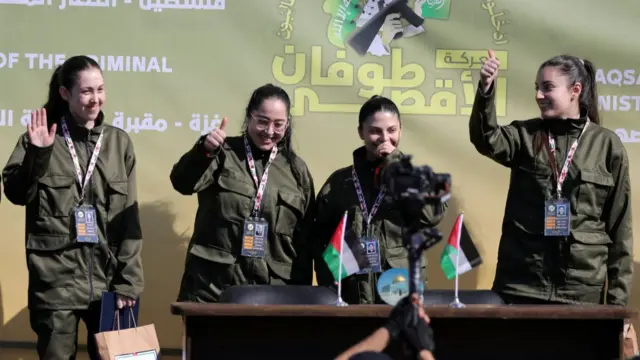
(74,157)
(252,168)
(368,216)
(562,175)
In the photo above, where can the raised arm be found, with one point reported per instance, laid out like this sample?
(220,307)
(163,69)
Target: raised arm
(619,227)
(29,160)
(500,143)
(194,171)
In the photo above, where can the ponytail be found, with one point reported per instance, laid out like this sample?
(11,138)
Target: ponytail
(589,96)
(56,106)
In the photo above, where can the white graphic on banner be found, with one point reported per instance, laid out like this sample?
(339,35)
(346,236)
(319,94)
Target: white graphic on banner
(199,123)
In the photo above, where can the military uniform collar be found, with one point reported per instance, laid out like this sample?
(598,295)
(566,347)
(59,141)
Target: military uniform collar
(80,131)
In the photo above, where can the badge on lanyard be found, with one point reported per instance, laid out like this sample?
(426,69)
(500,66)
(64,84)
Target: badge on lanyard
(84,215)
(370,243)
(557,218)
(371,246)
(254,237)
(256,229)
(557,212)
(86,227)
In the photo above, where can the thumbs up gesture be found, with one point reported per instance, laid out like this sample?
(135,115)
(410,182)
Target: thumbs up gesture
(216,137)
(489,71)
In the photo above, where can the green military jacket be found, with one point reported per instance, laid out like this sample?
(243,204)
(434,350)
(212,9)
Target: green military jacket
(338,195)
(64,274)
(600,246)
(226,194)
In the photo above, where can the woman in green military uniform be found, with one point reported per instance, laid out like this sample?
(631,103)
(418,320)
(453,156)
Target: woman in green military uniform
(567,226)
(76,176)
(353,189)
(255,197)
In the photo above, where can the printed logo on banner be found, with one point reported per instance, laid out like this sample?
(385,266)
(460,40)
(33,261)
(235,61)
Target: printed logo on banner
(348,15)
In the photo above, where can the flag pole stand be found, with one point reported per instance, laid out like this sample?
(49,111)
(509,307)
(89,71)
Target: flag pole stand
(340,302)
(456,301)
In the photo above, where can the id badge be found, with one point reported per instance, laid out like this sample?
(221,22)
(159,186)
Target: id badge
(557,217)
(371,247)
(254,237)
(86,227)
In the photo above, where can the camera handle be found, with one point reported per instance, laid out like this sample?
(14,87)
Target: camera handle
(416,243)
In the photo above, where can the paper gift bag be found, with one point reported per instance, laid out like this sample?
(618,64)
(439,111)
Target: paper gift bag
(137,343)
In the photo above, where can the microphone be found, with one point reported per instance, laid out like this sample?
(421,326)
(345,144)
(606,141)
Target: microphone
(362,38)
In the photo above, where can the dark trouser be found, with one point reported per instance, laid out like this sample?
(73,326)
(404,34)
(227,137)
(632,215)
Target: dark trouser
(524,300)
(203,280)
(57,332)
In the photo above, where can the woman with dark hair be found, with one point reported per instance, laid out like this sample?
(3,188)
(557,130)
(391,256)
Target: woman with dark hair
(567,226)
(254,199)
(75,175)
(377,224)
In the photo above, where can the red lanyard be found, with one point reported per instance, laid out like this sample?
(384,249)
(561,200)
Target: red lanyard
(368,216)
(76,162)
(562,175)
(265,175)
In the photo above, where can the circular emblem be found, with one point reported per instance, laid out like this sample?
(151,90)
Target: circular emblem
(80,214)
(393,285)
(552,208)
(250,227)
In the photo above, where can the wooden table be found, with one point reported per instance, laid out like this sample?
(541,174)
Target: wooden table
(230,331)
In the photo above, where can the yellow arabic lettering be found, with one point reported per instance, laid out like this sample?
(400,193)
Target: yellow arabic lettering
(468,92)
(338,74)
(498,38)
(497,23)
(302,93)
(299,70)
(440,103)
(399,71)
(371,75)
(286,28)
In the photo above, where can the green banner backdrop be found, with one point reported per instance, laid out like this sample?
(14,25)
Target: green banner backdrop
(174,68)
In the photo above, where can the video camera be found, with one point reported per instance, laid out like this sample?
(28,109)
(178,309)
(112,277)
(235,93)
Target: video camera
(412,188)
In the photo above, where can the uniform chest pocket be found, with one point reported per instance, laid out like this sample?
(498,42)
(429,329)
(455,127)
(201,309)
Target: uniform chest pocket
(234,198)
(116,197)
(532,183)
(56,196)
(290,211)
(593,192)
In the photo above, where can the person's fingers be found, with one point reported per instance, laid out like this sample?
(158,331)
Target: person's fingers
(223,124)
(216,137)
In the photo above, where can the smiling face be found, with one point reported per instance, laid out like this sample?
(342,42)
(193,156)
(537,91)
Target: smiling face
(268,124)
(556,96)
(87,96)
(381,134)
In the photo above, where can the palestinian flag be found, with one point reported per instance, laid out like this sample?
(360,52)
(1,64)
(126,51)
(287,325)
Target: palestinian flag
(344,255)
(460,254)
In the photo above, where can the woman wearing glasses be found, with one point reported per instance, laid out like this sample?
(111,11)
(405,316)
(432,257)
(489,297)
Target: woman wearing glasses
(255,198)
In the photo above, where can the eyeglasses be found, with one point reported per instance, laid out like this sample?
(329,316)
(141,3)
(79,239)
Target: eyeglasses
(263,123)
